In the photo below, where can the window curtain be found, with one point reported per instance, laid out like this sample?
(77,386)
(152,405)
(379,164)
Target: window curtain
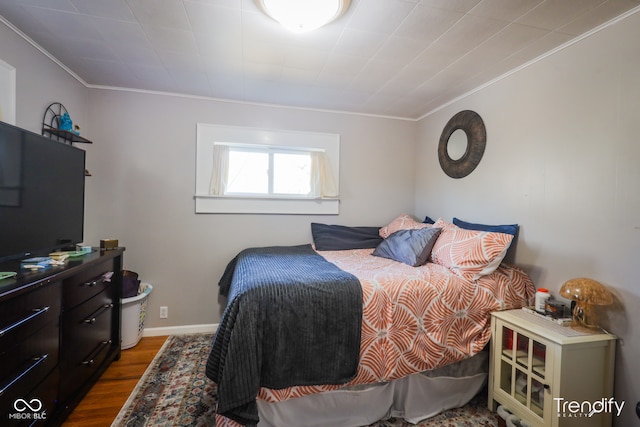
(220,170)
(323,183)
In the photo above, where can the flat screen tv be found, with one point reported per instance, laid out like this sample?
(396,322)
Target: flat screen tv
(41,194)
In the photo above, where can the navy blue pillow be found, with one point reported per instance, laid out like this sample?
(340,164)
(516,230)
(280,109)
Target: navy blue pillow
(340,237)
(506,229)
(411,247)
(428,220)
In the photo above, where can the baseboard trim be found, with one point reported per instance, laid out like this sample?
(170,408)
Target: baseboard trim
(180,330)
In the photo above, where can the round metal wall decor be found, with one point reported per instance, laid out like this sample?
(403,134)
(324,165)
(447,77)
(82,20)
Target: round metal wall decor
(473,126)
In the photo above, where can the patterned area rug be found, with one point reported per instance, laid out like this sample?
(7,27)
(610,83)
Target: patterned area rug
(175,392)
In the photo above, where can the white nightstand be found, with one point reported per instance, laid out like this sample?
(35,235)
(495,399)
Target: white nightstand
(550,375)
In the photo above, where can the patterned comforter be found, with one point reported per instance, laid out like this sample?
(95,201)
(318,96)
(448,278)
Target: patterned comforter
(417,318)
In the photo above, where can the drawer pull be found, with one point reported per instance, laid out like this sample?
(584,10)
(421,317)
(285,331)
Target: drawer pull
(91,320)
(36,312)
(93,283)
(105,278)
(36,361)
(102,346)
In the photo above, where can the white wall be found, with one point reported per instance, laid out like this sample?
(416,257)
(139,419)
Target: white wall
(141,191)
(561,160)
(143,167)
(39,82)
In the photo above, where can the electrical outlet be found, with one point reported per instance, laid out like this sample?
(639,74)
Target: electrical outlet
(164,312)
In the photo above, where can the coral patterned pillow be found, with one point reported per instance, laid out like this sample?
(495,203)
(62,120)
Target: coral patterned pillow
(470,254)
(403,222)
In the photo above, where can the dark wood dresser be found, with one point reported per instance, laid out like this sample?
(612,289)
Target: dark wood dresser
(59,331)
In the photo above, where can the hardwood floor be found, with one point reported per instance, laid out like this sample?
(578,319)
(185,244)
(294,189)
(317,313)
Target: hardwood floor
(103,402)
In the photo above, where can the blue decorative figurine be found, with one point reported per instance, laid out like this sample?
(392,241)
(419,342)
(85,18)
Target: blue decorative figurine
(65,123)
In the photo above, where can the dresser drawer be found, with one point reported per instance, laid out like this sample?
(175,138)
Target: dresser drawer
(41,403)
(34,408)
(27,364)
(27,313)
(86,284)
(84,367)
(87,340)
(28,358)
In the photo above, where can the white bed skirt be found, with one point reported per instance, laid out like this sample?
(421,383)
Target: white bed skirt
(413,398)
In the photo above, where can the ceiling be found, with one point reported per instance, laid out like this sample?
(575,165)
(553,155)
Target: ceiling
(398,58)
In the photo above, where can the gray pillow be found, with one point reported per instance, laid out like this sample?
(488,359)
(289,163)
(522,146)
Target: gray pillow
(411,247)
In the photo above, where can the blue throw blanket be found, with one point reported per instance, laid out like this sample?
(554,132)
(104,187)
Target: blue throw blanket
(292,318)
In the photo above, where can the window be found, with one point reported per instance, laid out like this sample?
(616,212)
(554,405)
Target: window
(266,171)
(254,170)
(248,172)
(292,173)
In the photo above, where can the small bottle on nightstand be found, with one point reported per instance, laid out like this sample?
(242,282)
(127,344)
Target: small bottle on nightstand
(542,295)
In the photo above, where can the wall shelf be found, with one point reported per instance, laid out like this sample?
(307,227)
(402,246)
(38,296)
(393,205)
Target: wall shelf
(65,135)
(51,124)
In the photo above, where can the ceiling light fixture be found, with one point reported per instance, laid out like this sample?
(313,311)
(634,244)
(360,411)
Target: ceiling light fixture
(301,16)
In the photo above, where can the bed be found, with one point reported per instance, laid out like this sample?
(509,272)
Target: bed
(369,326)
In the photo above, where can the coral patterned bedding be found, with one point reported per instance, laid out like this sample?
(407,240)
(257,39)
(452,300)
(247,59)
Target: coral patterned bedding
(416,318)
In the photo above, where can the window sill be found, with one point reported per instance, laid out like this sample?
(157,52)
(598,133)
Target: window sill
(266,205)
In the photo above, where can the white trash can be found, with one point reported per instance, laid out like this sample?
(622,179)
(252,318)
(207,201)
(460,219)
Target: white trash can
(134,310)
